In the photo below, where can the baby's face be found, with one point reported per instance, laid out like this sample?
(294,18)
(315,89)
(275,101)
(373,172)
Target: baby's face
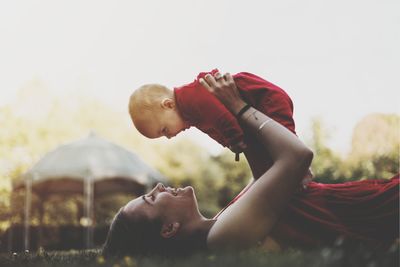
(166,123)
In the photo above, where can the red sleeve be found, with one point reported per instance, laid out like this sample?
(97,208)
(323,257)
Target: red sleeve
(208,114)
(267,97)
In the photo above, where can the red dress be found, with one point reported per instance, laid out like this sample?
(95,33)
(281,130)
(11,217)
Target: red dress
(366,211)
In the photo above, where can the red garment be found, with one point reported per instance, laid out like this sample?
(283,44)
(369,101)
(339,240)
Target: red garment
(204,111)
(366,211)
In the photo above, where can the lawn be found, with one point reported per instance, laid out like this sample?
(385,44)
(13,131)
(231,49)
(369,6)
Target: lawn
(332,257)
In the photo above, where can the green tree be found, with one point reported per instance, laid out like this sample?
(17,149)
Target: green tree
(375,147)
(235,176)
(327,166)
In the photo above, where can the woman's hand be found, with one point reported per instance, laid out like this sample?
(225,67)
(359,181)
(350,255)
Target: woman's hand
(224,88)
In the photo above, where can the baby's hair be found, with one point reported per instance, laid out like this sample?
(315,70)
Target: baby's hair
(146,98)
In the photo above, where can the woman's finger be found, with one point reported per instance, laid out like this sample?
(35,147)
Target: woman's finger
(217,76)
(228,77)
(210,80)
(205,84)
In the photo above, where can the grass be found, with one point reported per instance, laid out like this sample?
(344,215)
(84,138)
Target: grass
(324,257)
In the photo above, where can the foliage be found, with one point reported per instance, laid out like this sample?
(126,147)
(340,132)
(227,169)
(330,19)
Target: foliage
(326,163)
(375,147)
(374,154)
(235,176)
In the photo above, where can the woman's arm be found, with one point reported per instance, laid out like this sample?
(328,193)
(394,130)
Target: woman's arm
(258,161)
(250,219)
(256,157)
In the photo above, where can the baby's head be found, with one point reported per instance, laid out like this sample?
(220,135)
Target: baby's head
(154,112)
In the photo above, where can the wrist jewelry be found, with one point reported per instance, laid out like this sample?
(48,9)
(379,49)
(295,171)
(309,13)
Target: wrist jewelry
(242,110)
(264,123)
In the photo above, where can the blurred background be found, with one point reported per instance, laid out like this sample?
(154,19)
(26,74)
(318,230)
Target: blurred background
(67,69)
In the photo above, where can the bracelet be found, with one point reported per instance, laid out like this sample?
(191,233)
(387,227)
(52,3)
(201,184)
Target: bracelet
(264,123)
(243,110)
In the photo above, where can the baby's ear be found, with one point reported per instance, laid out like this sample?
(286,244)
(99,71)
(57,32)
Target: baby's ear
(168,103)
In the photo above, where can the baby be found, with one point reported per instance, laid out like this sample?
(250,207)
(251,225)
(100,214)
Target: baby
(159,111)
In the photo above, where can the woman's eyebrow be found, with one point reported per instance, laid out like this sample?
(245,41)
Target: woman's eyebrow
(144,198)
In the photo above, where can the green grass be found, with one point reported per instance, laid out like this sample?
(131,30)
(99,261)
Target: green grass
(332,257)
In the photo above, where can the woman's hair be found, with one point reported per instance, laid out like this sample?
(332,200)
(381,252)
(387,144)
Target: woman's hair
(138,235)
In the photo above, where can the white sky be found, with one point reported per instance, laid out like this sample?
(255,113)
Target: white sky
(338,60)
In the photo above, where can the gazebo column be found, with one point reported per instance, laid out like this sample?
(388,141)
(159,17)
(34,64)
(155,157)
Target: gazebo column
(10,238)
(42,201)
(28,202)
(88,210)
(12,218)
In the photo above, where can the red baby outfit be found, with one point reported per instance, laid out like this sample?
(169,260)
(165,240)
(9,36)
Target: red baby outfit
(204,111)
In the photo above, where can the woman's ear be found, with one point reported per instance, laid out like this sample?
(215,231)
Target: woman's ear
(168,103)
(170,229)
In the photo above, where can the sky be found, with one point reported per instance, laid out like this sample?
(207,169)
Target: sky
(338,60)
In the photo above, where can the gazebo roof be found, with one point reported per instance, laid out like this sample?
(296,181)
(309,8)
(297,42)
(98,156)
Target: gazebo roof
(93,158)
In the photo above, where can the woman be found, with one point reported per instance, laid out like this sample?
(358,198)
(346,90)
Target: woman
(168,221)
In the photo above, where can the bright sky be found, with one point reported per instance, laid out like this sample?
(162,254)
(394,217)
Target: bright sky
(338,60)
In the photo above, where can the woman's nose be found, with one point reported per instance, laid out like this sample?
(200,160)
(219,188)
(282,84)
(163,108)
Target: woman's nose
(160,187)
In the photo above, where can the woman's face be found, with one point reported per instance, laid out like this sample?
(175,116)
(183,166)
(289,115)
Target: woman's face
(166,203)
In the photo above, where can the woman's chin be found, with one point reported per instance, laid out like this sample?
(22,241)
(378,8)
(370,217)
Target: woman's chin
(189,191)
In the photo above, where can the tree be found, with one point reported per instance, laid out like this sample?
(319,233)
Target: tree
(235,176)
(326,165)
(375,147)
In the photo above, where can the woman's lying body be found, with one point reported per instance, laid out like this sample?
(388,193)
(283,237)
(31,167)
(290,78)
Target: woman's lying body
(364,211)
(169,221)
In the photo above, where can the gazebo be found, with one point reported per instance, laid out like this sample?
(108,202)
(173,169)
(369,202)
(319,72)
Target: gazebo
(91,166)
